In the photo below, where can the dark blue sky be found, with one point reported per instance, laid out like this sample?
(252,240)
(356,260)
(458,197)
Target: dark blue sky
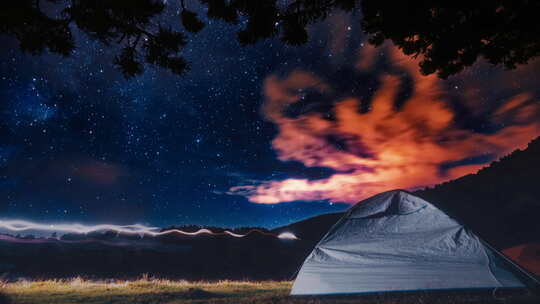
(80,143)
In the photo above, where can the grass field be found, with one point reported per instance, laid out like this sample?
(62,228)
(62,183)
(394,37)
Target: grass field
(181,292)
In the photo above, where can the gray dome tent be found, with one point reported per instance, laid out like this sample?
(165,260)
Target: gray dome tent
(395,241)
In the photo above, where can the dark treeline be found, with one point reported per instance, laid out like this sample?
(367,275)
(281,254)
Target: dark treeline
(447,37)
(500,202)
(450,36)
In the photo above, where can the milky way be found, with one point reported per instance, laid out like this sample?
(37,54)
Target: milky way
(313,128)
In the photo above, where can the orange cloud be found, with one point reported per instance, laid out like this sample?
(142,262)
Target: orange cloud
(366,57)
(386,147)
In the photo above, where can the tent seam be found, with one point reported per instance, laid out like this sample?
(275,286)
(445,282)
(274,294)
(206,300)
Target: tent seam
(489,262)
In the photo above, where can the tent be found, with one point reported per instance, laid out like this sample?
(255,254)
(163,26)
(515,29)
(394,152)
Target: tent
(395,241)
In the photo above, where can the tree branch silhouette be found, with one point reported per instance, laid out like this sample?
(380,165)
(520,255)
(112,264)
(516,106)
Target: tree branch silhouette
(449,38)
(446,38)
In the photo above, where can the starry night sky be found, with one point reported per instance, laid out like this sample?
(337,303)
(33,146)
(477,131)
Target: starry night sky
(80,143)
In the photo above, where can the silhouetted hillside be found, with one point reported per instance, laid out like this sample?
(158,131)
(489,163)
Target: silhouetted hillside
(501,202)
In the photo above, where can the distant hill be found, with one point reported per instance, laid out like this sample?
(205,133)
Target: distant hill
(501,202)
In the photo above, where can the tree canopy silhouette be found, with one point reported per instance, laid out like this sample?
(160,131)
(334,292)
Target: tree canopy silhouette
(133,26)
(450,37)
(447,37)
(126,24)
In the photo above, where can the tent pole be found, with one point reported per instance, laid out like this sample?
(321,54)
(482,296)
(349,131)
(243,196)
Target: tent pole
(532,282)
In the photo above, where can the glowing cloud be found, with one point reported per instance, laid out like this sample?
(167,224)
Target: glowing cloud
(386,147)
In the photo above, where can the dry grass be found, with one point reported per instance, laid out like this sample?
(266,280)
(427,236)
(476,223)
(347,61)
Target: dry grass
(148,290)
(142,291)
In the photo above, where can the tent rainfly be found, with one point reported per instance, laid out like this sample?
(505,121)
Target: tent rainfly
(395,241)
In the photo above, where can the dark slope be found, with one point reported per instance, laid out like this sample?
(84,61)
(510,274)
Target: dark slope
(501,203)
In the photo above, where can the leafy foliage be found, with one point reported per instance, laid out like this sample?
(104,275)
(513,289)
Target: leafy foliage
(446,37)
(450,37)
(128,25)
(133,27)
(191,22)
(35,30)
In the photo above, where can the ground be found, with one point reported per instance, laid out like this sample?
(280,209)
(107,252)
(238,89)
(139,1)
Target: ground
(182,292)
